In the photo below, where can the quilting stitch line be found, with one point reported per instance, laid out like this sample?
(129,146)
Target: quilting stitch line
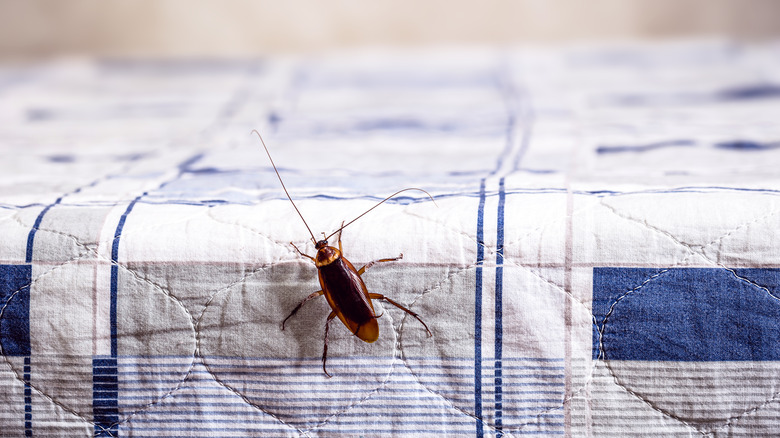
(701,428)
(36,226)
(691,253)
(88,251)
(662,411)
(157,286)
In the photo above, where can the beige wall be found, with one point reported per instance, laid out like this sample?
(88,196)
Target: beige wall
(232,27)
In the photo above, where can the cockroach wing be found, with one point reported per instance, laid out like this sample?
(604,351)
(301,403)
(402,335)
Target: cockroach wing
(348,297)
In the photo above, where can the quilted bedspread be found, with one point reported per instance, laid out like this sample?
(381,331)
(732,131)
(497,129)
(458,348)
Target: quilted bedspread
(601,257)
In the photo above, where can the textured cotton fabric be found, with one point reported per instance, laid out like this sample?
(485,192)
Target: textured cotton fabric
(601,258)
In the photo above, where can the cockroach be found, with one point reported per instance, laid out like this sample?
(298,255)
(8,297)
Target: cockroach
(341,283)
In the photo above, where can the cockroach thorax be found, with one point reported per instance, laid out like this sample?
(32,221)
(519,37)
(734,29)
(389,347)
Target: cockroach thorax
(326,254)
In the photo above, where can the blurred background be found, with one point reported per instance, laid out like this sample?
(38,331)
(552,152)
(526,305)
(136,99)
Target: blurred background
(40,28)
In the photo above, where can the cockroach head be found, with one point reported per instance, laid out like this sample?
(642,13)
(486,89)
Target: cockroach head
(321,244)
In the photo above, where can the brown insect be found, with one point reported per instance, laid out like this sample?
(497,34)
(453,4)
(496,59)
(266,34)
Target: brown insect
(341,283)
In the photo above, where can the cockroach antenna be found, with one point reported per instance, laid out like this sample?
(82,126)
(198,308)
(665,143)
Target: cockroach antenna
(377,205)
(313,239)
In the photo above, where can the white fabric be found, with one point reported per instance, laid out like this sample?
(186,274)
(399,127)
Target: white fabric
(143,229)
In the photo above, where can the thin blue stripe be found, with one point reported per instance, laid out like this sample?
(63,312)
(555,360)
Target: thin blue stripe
(296,381)
(106,413)
(417,395)
(27,388)
(318,360)
(39,219)
(260,429)
(120,226)
(537,191)
(115,272)
(308,408)
(423,399)
(36,225)
(499,310)
(478,311)
(105,370)
(112,308)
(297,375)
(28,429)
(27,398)
(304,414)
(127,388)
(407,402)
(465,368)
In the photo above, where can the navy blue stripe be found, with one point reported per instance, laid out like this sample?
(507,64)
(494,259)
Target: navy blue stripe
(478,311)
(120,226)
(105,400)
(105,383)
(36,225)
(15,325)
(27,398)
(39,219)
(15,298)
(28,430)
(112,307)
(499,310)
(115,271)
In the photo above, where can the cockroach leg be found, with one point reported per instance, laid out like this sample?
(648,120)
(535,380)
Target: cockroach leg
(342,227)
(370,264)
(374,296)
(301,253)
(325,346)
(298,307)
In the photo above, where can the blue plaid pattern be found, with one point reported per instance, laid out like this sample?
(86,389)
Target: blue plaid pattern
(600,259)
